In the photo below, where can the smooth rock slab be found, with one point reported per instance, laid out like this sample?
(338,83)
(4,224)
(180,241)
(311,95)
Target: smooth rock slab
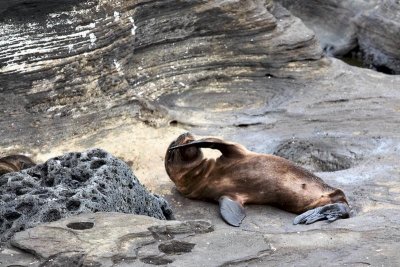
(72,184)
(118,239)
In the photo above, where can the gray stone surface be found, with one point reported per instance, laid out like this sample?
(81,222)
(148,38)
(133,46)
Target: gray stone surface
(378,33)
(77,63)
(197,65)
(267,238)
(71,184)
(331,20)
(370,28)
(116,239)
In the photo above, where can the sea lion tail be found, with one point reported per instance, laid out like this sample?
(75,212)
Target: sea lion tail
(330,212)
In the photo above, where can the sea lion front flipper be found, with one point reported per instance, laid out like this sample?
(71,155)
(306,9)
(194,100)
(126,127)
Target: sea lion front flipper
(330,212)
(227,149)
(231,211)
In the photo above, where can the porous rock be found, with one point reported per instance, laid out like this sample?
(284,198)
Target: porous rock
(74,183)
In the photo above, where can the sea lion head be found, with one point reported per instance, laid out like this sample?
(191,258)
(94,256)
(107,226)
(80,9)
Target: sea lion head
(177,160)
(14,163)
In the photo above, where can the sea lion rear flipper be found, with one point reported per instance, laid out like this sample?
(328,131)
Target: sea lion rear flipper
(231,211)
(330,212)
(226,148)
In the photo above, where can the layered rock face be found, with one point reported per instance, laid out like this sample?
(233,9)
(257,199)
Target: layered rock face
(75,183)
(66,63)
(247,71)
(379,35)
(372,27)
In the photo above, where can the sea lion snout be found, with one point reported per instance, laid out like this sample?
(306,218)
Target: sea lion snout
(182,154)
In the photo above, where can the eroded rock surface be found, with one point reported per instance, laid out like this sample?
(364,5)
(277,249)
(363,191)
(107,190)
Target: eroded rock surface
(246,71)
(75,183)
(367,29)
(379,34)
(82,62)
(331,20)
(116,239)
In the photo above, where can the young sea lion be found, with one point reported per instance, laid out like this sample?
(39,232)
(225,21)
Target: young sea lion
(240,176)
(15,163)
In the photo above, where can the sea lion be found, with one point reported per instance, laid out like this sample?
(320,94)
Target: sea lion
(15,163)
(240,176)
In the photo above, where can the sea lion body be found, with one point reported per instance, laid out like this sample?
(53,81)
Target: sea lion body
(245,177)
(15,163)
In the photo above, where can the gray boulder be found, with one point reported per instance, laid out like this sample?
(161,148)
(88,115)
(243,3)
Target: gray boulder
(74,183)
(379,36)
(369,30)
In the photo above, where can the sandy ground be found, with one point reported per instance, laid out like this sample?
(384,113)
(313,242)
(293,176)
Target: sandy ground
(141,146)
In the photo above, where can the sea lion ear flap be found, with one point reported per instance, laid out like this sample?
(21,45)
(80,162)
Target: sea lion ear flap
(227,149)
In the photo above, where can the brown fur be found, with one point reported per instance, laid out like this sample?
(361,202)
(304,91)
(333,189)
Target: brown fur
(15,163)
(246,176)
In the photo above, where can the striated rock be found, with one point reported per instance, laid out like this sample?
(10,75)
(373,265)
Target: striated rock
(331,20)
(378,36)
(364,30)
(75,183)
(270,89)
(84,62)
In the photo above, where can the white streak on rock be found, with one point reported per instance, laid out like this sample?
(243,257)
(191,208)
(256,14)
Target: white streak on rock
(70,47)
(116,16)
(134,27)
(92,39)
(118,67)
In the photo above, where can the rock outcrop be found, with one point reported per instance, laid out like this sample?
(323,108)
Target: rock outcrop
(378,33)
(83,62)
(112,239)
(75,183)
(368,29)
(115,239)
(247,71)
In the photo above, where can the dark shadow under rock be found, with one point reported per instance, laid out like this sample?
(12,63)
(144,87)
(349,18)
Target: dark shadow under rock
(72,184)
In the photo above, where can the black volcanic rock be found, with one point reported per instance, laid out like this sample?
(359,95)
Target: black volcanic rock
(75,183)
